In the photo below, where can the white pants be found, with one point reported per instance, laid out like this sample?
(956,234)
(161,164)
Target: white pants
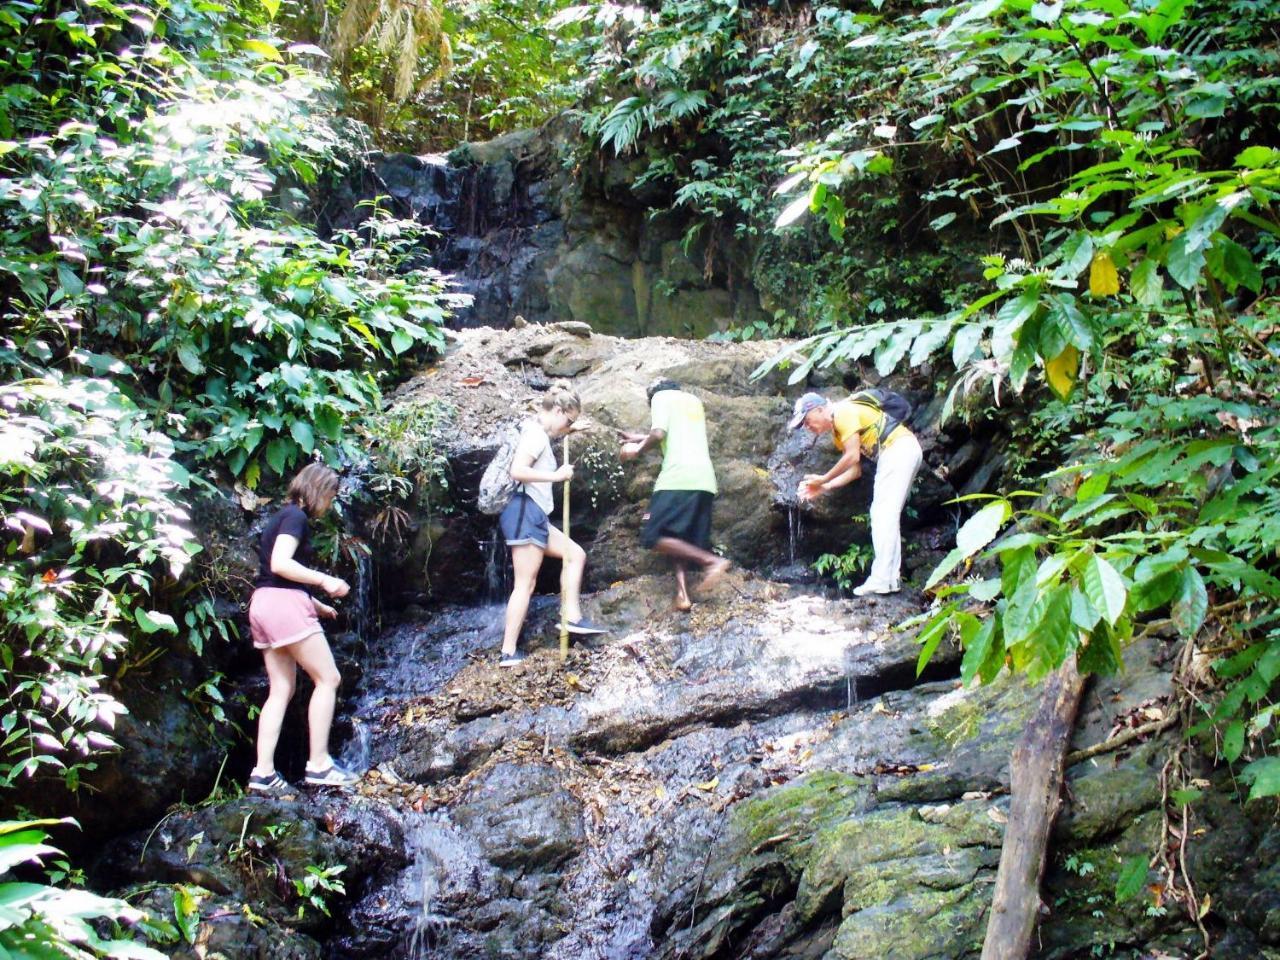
(896,468)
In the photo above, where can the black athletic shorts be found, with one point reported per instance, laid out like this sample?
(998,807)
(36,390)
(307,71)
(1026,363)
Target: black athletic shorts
(683,514)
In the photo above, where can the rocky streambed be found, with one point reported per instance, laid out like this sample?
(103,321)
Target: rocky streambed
(766,777)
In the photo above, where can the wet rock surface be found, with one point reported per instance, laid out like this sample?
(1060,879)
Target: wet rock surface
(763,777)
(494,377)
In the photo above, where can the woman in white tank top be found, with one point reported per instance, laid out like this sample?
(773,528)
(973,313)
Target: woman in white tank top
(529,533)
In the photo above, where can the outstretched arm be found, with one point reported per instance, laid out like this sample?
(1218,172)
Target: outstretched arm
(843,472)
(634,448)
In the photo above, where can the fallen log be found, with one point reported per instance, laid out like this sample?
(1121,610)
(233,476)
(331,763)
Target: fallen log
(1035,772)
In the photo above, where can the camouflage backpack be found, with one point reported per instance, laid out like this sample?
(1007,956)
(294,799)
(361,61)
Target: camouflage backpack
(496,486)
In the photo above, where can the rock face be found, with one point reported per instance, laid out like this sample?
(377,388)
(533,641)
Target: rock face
(492,377)
(763,777)
(525,236)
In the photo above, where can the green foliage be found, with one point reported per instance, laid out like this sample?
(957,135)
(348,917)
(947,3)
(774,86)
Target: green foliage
(316,885)
(719,96)
(845,567)
(1115,151)
(94,536)
(491,67)
(47,922)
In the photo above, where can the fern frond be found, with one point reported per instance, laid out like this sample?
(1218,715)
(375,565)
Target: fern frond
(623,124)
(406,60)
(357,16)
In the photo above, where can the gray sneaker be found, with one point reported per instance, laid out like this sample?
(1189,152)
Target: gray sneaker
(333,775)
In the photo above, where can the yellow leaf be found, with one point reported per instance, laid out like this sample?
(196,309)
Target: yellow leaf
(1103,279)
(1061,371)
(660,792)
(709,785)
(262,49)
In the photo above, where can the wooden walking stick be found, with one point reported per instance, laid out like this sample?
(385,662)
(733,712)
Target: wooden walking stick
(564,623)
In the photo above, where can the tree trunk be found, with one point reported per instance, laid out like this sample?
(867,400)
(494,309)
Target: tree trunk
(1036,771)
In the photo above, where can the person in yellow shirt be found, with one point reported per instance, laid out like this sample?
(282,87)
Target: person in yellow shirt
(857,426)
(679,520)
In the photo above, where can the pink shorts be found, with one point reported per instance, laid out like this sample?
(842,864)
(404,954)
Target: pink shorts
(279,616)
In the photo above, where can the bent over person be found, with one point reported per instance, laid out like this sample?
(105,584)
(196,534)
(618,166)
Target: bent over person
(679,524)
(862,429)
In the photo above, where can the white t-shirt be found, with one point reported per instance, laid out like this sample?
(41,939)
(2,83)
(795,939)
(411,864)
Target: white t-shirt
(535,442)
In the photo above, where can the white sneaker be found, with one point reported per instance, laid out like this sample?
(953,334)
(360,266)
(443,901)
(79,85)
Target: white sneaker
(870,588)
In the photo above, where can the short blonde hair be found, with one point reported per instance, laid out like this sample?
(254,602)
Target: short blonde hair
(563,399)
(311,487)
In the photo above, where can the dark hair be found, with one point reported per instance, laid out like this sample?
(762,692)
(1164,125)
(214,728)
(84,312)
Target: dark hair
(311,487)
(662,383)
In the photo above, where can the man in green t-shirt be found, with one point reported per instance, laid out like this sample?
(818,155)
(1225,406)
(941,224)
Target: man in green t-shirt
(679,521)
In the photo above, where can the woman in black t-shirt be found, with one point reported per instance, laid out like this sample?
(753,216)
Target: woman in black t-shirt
(285,621)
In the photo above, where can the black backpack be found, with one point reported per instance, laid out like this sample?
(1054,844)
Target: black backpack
(893,407)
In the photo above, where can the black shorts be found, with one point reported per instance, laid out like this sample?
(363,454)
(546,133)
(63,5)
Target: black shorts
(682,514)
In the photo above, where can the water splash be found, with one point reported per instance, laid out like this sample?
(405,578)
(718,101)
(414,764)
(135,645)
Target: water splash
(356,751)
(432,848)
(851,693)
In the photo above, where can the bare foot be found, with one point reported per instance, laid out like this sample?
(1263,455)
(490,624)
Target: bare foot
(683,604)
(714,573)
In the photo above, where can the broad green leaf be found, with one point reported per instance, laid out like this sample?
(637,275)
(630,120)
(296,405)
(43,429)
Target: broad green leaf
(329,423)
(1191,604)
(977,651)
(1146,284)
(982,527)
(1131,879)
(1233,741)
(1184,262)
(189,357)
(1077,253)
(929,639)
(949,563)
(153,620)
(277,454)
(401,341)
(1264,775)
(303,435)
(966,342)
(1105,588)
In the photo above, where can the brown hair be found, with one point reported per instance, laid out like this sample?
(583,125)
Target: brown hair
(562,398)
(312,486)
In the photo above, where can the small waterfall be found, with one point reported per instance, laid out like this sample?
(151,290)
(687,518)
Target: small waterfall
(851,693)
(795,530)
(364,617)
(431,846)
(356,751)
(496,580)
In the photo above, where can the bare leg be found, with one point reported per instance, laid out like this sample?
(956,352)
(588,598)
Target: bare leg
(281,674)
(574,559)
(315,657)
(526,560)
(683,603)
(680,550)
